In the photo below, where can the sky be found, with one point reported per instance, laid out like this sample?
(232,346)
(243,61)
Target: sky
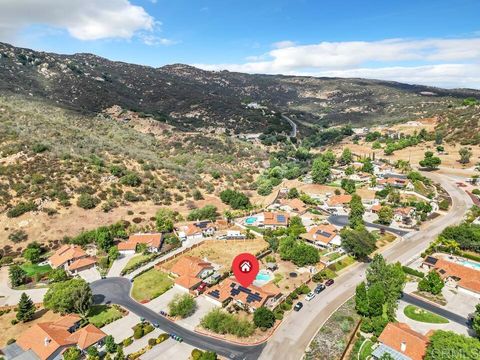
(431,42)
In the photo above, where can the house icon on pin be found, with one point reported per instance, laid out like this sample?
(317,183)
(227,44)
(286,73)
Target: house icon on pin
(245,266)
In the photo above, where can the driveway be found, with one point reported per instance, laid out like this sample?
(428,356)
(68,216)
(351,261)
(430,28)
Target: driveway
(122,328)
(90,275)
(9,296)
(161,302)
(203,307)
(117,290)
(342,220)
(169,349)
(118,265)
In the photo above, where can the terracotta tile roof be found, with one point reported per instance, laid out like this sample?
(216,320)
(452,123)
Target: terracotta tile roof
(192,229)
(296,205)
(252,296)
(339,200)
(126,245)
(67,321)
(87,336)
(190,266)
(405,211)
(152,240)
(376,207)
(83,262)
(66,253)
(468,278)
(396,334)
(275,218)
(323,233)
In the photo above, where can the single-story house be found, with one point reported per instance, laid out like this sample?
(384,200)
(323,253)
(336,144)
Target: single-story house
(197,231)
(403,214)
(82,265)
(251,298)
(293,206)
(376,208)
(400,342)
(234,234)
(339,201)
(153,241)
(47,341)
(189,271)
(360,177)
(66,255)
(324,236)
(464,278)
(273,220)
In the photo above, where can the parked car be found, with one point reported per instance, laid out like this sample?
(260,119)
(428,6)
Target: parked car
(201,288)
(310,296)
(329,282)
(319,288)
(298,306)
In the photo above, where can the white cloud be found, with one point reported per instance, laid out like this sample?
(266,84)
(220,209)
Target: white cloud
(442,62)
(283,44)
(153,40)
(83,19)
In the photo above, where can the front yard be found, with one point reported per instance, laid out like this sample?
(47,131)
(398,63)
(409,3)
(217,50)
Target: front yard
(422,315)
(35,269)
(101,315)
(150,285)
(137,259)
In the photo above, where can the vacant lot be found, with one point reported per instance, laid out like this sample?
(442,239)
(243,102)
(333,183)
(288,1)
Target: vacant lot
(150,285)
(10,331)
(223,252)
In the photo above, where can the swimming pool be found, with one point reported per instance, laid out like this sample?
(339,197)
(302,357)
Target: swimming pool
(250,220)
(263,277)
(470,264)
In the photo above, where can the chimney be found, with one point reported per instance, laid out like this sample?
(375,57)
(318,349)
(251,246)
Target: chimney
(403,346)
(46,341)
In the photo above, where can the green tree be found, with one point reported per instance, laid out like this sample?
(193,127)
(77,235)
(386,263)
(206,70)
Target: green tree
(110,345)
(263,318)
(208,355)
(182,305)
(87,201)
(476,321)
(17,275)
(293,193)
(376,299)
(33,255)
(328,157)
(431,283)
(320,171)
(438,138)
(348,185)
(429,161)
(208,212)
(131,179)
(465,155)
(93,353)
(346,157)
(359,241)
(72,353)
(356,211)
(57,275)
(350,170)
(26,309)
(236,199)
(71,296)
(368,166)
(113,253)
(385,215)
(447,345)
(361,299)
(164,220)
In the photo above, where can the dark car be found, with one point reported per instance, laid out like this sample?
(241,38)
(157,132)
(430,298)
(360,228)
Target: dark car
(329,282)
(298,306)
(319,288)
(201,288)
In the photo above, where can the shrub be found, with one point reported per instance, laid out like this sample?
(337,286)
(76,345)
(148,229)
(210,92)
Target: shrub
(196,354)
(443,205)
(87,201)
(221,322)
(131,179)
(138,332)
(21,208)
(128,341)
(39,148)
(413,272)
(263,318)
(182,306)
(11,341)
(18,236)
(235,199)
(152,342)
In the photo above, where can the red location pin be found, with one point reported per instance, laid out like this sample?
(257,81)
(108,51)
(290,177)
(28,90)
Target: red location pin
(245,268)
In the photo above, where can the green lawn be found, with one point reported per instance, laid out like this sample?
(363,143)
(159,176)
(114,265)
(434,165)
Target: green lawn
(255,228)
(150,285)
(136,260)
(366,350)
(421,315)
(343,263)
(33,269)
(101,315)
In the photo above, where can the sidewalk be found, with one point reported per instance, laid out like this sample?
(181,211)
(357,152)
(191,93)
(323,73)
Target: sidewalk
(118,265)
(9,296)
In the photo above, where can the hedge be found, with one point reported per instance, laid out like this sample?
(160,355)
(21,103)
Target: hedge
(413,272)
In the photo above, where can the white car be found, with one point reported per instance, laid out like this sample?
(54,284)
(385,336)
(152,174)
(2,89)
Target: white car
(310,296)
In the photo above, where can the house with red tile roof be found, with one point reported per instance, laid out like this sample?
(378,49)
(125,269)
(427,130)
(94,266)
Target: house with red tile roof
(325,236)
(339,201)
(404,214)
(273,219)
(400,342)
(296,206)
(197,230)
(189,271)
(250,298)
(47,341)
(464,278)
(153,241)
(72,258)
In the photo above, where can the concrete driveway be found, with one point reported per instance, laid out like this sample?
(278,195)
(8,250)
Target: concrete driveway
(118,265)
(9,296)
(122,328)
(203,307)
(169,349)
(161,302)
(90,275)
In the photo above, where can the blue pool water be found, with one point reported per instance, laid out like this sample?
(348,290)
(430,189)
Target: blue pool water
(470,264)
(263,277)
(250,220)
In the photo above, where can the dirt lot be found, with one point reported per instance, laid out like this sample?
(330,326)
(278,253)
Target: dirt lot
(10,331)
(223,252)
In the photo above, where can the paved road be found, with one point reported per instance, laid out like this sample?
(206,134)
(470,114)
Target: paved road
(293,133)
(117,290)
(342,220)
(294,334)
(435,309)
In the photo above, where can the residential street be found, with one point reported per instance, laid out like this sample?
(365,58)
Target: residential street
(342,220)
(294,334)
